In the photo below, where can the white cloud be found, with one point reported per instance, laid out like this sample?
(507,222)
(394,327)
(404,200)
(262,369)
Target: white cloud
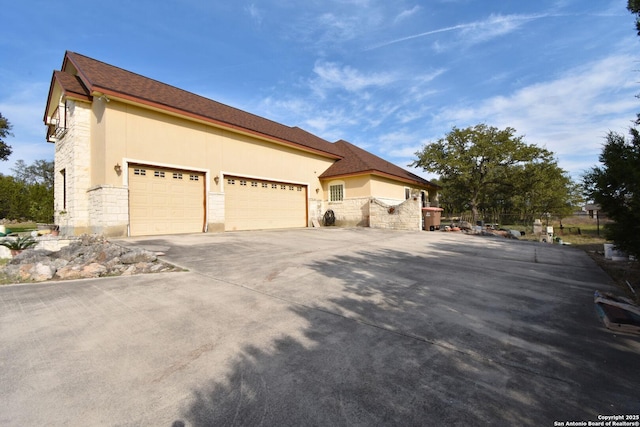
(331,75)
(494,26)
(255,13)
(569,115)
(406,14)
(473,32)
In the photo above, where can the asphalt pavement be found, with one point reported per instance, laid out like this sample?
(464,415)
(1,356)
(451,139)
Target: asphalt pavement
(322,326)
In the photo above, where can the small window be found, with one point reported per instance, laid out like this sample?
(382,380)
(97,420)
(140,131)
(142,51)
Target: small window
(291,187)
(254,184)
(231,181)
(141,172)
(336,193)
(299,188)
(265,185)
(283,187)
(177,175)
(63,172)
(243,182)
(407,193)
(158,174)
(274,185)
(194,178)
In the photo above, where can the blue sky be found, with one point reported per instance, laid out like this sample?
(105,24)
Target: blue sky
(386,76)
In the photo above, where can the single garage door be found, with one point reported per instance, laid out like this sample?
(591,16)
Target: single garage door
(165,201)
(259,204)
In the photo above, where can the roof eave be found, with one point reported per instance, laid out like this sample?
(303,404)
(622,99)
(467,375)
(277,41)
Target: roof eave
(381,174)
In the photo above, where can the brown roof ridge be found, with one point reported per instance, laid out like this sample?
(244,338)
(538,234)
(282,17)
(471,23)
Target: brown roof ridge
(99,76)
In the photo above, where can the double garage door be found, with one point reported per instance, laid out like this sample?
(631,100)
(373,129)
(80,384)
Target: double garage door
(252,204)
(172,201)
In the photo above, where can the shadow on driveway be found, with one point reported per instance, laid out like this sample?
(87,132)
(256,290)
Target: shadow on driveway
(399,338)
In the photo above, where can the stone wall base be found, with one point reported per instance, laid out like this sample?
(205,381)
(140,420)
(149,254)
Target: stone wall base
(108,213)
(350,212)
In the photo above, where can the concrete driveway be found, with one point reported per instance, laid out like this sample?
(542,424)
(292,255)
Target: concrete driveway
(320,327)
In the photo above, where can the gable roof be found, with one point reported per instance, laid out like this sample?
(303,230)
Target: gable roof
(83,78)
(100,78)
(356,161)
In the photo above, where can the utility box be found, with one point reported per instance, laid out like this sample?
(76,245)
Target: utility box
(549,238)
(431,218)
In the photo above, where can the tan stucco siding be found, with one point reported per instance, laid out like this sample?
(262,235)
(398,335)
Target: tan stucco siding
(157,138)
(357,186)
(99,155)
(384,188)
(390,190)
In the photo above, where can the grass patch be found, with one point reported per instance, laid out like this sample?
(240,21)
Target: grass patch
(21,227)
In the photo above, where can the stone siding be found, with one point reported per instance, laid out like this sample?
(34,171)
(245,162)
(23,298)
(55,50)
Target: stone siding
(73,155)
(215,214)
(404,216)
(350,212)
(109,210)
(315,211)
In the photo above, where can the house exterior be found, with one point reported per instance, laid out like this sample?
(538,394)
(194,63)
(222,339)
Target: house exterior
(134,156)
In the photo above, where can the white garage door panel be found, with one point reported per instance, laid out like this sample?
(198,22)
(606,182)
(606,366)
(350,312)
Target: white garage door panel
(165,201)
(256,205)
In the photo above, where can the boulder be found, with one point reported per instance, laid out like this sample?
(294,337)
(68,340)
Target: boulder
(88,271)
(42,272)
(138,255)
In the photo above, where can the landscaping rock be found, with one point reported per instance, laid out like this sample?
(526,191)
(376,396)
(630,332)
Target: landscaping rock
(138,255)
(42,272)
(88,257)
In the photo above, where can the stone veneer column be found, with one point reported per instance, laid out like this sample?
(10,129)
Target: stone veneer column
(215,214)
(73,155)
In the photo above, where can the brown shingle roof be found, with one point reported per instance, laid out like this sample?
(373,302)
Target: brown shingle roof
(357,161)
(71,84)
(98,76)
(83,77)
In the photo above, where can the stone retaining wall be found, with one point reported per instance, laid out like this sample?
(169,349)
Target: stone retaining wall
(405,216)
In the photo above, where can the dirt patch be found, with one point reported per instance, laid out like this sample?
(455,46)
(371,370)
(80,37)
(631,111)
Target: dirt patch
(88,257)
(625,274)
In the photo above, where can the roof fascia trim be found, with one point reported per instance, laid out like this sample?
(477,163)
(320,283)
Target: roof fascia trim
(380,174)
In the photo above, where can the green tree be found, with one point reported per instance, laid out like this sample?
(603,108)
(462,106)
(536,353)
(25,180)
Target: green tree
(474,163)
(5,131)
(13,201)
(37,180)
(28,194)
(634,7)
(615,186)
(39,172)
(544,188)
